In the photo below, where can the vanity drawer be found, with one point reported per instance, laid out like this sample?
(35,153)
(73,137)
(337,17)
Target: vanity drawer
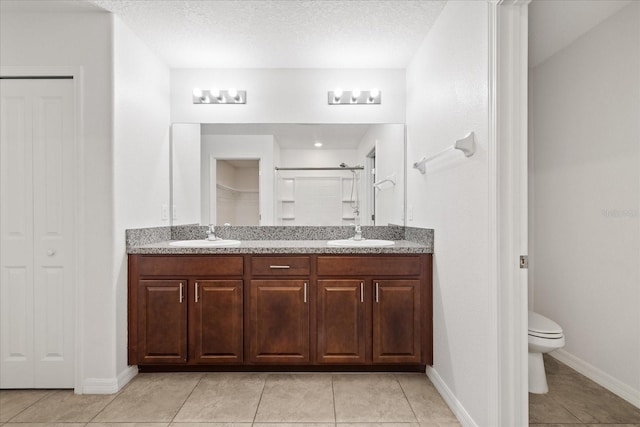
(280,265)
(369,266)
(190,265)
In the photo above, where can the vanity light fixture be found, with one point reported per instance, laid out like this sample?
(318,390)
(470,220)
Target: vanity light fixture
(354,97)
(217,96)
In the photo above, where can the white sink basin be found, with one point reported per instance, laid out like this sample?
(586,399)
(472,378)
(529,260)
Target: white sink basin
(361,243)
(204,243)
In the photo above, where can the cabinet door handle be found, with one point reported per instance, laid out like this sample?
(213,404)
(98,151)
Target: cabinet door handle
(377,292)
(361,291)
(196,297)
(181,292)
(305,292)
(279,267)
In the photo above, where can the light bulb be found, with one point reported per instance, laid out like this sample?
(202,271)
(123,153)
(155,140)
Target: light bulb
(337,94)
(215,93)
(374,93)
(197,92)
(355,94)
(233,93)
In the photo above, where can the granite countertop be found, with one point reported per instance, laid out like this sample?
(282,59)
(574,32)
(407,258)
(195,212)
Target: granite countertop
(281,247)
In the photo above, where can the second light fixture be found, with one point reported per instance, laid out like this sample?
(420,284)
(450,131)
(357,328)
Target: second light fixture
(219,96)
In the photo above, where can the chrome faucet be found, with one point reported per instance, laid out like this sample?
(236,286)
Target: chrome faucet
(358,235)
(211,233)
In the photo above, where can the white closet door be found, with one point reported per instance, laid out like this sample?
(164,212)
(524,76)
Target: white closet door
(37,230)
(16,225)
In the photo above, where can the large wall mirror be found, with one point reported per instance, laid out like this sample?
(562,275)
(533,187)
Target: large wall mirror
(288,174)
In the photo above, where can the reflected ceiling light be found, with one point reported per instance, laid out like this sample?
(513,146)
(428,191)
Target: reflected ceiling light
(317,144)
(354,97)
(218,96)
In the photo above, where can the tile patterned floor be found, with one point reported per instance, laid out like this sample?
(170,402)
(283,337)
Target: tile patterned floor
(300,400)
(574,400)
(239,399)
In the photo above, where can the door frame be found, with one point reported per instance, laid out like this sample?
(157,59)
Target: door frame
(77,73)
(508,216)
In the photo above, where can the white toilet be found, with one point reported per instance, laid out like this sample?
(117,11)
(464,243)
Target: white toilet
(545,335)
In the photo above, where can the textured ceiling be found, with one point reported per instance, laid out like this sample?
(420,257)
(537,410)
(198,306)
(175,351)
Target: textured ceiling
(280,33)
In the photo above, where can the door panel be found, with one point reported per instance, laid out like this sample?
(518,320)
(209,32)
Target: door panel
(162,322)
(16,231)
(341,321)
(54,240)
(396,321)
(279,324)
(215,327)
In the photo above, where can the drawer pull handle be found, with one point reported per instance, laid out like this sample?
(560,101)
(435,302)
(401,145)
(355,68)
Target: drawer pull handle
(280,267)
(305,292)
(181,292)
(197,296)
(377,292)
(361,291)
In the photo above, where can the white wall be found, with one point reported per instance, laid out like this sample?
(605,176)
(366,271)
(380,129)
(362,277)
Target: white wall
(288,96)
(447,96)
(584,208)
(186,174)
(82,40)
(388,141)
(141,155)
(318,158)
(261,147)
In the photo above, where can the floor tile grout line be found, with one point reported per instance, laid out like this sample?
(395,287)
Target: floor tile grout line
(49,392)
(185,400)
(395,376)
(115,396)
(264,385)
(333,394)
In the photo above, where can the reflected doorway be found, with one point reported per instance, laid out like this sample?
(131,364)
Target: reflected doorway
(237,192)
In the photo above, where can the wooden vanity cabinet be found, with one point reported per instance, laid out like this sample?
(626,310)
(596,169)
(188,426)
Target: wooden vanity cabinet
(342,313)
(185,310)
(279,322)
(374,309)
(396,321)
(279,314)
(348,310)
(162,321)
(215,322)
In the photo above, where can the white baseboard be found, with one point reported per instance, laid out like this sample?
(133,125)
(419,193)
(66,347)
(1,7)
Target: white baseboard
(456,407)
(612,384)
(109,385)
(127,375)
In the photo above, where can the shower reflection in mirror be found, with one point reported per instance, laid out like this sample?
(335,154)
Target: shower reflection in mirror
(278,174)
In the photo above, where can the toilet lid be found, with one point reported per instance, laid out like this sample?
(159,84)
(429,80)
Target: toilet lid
(541,326)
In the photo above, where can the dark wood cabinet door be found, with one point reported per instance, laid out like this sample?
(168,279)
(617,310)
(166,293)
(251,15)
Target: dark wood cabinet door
(396,321)
(215,321)
(279,321)
(341,321)
(162,321)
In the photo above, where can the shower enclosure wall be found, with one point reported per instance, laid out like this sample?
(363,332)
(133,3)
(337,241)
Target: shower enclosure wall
(320,196)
